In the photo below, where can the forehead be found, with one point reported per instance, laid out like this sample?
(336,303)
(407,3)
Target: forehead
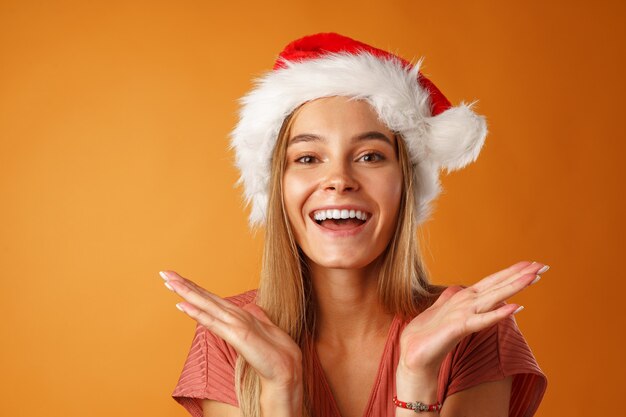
(337,114)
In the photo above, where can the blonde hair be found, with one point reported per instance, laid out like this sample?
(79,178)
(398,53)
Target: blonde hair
(285,291)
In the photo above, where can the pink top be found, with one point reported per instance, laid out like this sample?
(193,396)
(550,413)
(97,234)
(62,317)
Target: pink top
(489,355)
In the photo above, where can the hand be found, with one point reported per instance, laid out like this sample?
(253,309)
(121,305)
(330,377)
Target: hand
(270,351)
(457,313)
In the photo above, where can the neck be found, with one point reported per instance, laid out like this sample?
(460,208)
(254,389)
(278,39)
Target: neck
(347,306)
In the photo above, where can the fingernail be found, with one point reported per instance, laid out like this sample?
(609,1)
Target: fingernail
(168,286)
(520,308)
(534,281)
(179,307)
(163,275)
(544,269)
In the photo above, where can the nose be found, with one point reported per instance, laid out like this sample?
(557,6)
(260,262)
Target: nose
(339,178)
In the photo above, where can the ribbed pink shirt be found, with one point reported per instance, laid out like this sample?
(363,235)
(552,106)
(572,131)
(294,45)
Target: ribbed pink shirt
(489,355)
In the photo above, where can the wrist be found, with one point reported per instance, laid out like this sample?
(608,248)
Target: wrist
(283,400)
(421,376)
(413,385)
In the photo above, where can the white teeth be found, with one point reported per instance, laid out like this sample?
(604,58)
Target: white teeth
(339,214)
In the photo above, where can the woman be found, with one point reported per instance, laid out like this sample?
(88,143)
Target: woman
(339,149)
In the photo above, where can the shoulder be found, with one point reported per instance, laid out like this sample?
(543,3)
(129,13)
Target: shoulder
(500,349)
(493,354)
(209,371)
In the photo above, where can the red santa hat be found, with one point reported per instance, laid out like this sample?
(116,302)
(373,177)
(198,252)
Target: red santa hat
(438,136)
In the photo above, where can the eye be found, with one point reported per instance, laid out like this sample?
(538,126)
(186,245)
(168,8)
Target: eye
(372,157)
(306,159)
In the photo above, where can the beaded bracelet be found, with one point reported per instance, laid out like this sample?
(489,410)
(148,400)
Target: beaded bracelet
(417,406)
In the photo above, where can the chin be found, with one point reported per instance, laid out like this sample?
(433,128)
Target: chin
(341,261)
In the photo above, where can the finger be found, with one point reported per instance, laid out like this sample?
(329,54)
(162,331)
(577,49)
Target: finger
(173,276)
(508,274)
(482,321)
(212,304)
(500,275)
(170,275)
(535,268)
(488,300)
(446,295)
(207,320)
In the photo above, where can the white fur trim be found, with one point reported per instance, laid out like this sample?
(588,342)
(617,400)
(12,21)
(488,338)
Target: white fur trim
(449,140)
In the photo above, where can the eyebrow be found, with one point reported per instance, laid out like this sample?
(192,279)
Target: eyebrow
(371,135)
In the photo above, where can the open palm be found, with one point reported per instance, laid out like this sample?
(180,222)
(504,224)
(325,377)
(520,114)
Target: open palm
(272,353)
(460,311)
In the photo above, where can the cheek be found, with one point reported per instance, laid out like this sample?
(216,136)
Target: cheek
(389,188)
(295,190)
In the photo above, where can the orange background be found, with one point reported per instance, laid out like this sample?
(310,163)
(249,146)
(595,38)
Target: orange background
(114,121)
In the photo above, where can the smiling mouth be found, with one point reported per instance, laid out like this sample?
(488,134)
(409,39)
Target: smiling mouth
(335,219)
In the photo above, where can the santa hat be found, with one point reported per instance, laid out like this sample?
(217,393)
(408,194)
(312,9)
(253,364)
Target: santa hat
(437,134)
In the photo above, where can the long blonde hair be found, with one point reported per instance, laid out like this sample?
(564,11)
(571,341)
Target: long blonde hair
(285,289)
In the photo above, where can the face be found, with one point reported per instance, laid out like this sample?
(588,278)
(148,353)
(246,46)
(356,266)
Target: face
(342,183)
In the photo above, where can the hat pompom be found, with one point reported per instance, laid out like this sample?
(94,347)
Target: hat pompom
(455,137)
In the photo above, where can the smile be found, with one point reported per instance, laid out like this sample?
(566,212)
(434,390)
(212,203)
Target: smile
(339,219)
(321,215)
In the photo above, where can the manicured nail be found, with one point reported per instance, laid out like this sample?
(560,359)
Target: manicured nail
(537,278)
(544,269)
(163,275)
(520,308)
(179,307)
(168,286)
